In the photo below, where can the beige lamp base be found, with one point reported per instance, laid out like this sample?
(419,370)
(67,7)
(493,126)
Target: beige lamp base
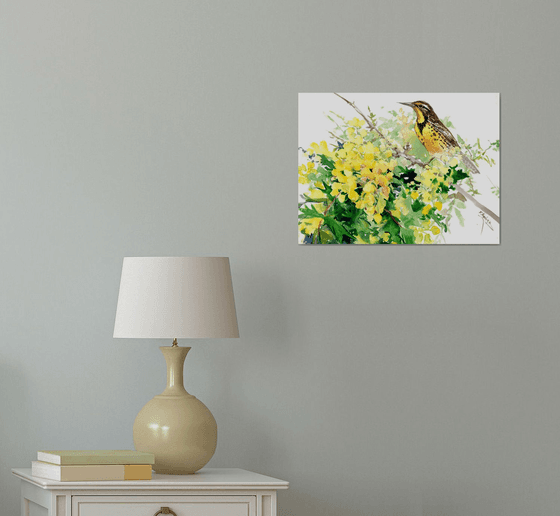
(175,426)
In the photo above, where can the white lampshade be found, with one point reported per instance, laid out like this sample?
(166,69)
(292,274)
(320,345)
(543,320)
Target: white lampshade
(178,297)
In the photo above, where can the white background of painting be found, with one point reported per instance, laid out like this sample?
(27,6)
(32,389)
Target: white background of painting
(474,115)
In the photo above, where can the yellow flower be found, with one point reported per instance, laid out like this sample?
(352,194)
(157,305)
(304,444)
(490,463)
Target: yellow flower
(436,230)
(304,171)
(427,176)
(321,148)
(426,209)
(400,204)
(356,122)
(378,218)
(372,240)
(316,194)
(369,187)
(438,205)
(336,187)
(386,236)
(339,174)
(381,203)
(414,195)
(308,226)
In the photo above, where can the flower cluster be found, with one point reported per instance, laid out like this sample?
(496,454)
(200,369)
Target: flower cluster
(362,189)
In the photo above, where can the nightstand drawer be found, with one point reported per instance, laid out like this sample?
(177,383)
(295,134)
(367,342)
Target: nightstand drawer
(150,505)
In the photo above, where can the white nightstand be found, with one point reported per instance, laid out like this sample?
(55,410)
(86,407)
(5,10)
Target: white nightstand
(209,492)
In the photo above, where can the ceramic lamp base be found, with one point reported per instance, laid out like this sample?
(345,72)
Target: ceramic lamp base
(175,426)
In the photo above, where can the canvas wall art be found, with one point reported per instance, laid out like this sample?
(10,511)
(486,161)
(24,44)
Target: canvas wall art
(399,168)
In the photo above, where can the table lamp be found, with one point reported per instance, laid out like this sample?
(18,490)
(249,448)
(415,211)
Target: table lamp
(174,298)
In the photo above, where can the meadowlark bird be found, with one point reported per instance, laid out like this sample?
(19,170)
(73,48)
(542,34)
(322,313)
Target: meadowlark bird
(433,133)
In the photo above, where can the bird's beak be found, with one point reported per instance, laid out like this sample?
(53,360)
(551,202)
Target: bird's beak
(409,104)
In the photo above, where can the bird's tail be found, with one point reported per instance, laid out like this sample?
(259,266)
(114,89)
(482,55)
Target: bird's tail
(469,164)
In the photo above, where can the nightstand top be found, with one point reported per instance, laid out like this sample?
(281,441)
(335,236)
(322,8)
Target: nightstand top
(206,478)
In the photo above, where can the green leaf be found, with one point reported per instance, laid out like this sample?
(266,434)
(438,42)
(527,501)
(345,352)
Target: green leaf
(322,174)
(326,161)
(460,217)
(337,228)
(393,229)
(325,237)
(418,150)
(448,123)
(457,174)
(408,235)
(309,212)
(310,199)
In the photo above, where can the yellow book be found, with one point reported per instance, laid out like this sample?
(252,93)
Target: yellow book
(87,472)
(88,457)
(137,472)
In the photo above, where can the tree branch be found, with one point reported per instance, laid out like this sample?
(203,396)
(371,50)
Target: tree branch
(481,207)
(394,220)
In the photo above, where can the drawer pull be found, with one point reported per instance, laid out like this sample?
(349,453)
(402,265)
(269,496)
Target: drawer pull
(165,510)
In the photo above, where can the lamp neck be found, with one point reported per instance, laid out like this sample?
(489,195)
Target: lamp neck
(175,359)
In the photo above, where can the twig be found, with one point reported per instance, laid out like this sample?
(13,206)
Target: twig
(485,221)
(337,138)
(394,220)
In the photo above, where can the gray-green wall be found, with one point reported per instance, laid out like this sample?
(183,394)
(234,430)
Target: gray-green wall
(385,381)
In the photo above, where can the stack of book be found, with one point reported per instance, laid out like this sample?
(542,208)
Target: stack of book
(84,465)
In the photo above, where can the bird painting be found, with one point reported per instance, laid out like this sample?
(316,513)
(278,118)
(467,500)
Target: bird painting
(372,171)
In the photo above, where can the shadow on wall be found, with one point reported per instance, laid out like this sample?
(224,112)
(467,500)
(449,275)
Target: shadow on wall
(15,425)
